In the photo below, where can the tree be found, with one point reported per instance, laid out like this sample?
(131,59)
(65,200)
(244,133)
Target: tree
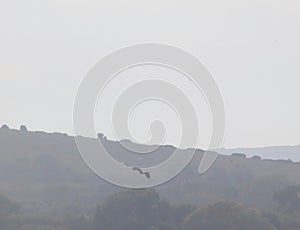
(139,209)
(5,127)
(7,207)
(288,200)
(23,128)
(226,216)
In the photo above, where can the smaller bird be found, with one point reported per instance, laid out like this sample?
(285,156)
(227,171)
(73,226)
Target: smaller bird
(147,174)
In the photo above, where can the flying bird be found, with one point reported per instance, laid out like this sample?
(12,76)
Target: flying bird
(147,174)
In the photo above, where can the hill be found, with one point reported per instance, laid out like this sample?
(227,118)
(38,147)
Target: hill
(45,174)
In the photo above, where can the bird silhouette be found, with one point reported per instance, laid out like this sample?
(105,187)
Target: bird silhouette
(147,174)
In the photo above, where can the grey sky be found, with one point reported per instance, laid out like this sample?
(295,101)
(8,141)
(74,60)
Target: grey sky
(251,47)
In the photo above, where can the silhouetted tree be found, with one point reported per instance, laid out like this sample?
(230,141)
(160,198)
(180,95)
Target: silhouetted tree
(23,128)
(4,126)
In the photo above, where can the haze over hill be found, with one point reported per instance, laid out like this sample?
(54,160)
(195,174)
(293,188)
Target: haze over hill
(166,76)
(45,174)
(271,152)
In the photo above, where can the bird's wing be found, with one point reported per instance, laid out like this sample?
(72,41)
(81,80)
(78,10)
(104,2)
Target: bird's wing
(137,169)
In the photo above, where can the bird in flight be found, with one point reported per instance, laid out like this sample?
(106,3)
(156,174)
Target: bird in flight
(147,174)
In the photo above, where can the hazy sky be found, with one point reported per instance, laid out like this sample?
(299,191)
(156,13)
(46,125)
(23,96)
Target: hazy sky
(251,47)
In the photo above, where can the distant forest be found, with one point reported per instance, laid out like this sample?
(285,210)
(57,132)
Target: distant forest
(144,209)
(44,184)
